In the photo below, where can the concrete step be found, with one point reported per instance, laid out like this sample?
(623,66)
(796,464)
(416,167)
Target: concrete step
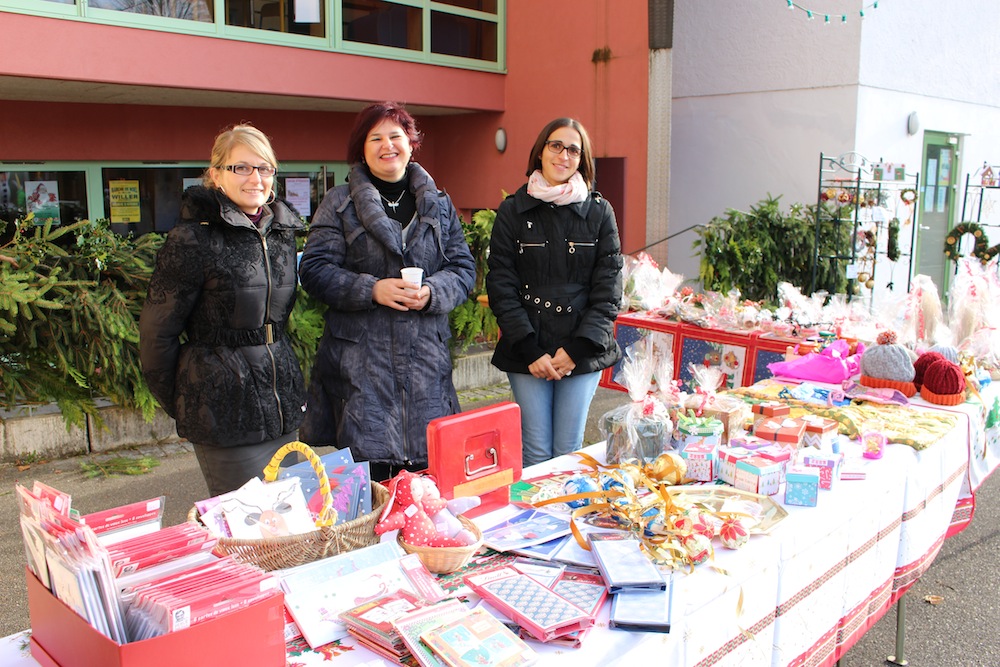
(39,432)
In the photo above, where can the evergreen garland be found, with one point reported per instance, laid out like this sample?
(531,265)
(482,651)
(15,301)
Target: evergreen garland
(892,243)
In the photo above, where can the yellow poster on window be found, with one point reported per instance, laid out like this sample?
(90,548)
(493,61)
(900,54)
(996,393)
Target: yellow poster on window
(124,196)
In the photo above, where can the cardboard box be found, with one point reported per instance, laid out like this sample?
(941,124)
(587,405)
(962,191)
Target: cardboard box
(758,475)
(701,430)
(784,431)
(733,418)
(728,458)
(748,441)
(828,466)
(771,409)
(779,454)
(820,432)
(250,637)
(701,461)
(801,486)
(477,453)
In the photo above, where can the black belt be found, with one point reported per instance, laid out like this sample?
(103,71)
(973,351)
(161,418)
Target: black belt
(265,335)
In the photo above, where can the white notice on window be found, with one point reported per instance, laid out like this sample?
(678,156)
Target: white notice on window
(297,194)
(307,11)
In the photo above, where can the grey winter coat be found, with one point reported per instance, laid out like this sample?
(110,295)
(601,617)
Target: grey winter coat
(381,374)
(227,288)
(555,281)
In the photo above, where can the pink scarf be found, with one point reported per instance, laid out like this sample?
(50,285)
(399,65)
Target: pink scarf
(572,191)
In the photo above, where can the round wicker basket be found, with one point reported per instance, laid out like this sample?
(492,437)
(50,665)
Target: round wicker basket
(276,553)
(442,560)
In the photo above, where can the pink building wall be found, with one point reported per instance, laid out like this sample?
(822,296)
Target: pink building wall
(551,72)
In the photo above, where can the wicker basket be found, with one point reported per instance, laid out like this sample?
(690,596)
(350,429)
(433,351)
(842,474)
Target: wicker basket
(275,553)
(442,560)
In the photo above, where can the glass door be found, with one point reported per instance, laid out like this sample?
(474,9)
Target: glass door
(935,206)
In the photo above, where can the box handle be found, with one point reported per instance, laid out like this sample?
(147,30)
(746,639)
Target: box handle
(492,451)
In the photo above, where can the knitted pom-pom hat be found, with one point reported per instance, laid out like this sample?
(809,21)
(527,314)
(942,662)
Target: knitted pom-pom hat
(921,364)
(888,364)
(949,352)
(944,383)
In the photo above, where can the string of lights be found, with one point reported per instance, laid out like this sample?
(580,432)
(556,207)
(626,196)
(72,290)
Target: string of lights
(826,16)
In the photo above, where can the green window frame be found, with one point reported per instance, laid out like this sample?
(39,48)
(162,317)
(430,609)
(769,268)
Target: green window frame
(159,194)
(466,34)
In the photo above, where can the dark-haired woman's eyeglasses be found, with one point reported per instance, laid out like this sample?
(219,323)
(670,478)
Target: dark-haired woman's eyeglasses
(264,170)
(557,147)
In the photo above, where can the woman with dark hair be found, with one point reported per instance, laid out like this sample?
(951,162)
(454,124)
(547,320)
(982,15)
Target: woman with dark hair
(383,368)
(554,284)
(225,278)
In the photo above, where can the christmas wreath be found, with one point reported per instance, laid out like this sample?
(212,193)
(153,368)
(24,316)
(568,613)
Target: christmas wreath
(909,195)
(981,248)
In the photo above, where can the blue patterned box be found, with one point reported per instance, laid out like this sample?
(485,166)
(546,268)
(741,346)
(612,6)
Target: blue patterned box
(802,486)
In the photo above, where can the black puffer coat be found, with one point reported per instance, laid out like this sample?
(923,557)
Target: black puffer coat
(230,287)
(382,374)
(555,281)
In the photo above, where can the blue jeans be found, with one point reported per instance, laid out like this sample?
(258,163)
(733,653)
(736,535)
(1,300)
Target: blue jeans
(553,413)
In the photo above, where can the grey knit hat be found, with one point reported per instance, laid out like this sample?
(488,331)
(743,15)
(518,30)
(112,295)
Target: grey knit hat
(949,352)
(888,364)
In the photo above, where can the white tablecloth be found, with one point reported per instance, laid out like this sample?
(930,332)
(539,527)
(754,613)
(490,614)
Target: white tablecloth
(802,594)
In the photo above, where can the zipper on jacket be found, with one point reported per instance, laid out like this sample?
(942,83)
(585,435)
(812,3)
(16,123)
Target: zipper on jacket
(573,245)
(523,245)
(269,334)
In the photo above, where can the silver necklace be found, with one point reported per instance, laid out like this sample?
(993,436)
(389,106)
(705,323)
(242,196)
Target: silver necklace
(393,204)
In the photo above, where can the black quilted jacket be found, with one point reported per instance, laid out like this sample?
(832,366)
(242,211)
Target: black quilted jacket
(230,288)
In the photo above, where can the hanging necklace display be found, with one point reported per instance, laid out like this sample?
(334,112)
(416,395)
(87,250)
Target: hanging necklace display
(390,203)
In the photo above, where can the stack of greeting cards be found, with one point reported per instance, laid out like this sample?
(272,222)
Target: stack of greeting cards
(539,610)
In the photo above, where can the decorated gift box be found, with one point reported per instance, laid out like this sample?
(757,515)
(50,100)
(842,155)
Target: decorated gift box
(731,411)
(801,486)
(701,430)
(702,460)
(728,457)
(771,409)
(748,441)
(780,454)
(785,431)
(820,432)
(828,466)
(758,475)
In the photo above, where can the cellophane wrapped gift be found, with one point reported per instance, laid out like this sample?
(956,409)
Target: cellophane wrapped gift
(645,286)
(640,430)
(733,412)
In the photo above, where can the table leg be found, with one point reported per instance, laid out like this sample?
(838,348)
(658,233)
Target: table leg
(898,658)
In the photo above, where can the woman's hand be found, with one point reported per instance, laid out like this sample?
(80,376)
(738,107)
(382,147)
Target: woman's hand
(548,367)
(398,294)
(562,363)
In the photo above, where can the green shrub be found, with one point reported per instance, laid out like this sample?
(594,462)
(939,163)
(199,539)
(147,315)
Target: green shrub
(754,251)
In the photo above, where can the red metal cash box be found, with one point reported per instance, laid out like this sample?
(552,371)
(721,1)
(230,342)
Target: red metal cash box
(477,453)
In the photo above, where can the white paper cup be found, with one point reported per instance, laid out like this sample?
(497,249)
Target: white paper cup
(413,275)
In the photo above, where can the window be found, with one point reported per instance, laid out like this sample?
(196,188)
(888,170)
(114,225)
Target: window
(189,10)
(383,23)
(462,36)
(301,17)
(56,196)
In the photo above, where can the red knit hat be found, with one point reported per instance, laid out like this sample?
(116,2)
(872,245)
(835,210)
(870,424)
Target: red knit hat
(921,364)
(944,383)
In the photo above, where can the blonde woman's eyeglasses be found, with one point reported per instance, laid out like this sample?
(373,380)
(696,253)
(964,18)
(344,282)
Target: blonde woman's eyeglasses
(264,170)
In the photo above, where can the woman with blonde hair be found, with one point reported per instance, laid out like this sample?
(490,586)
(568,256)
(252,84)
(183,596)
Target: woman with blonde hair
(225,280)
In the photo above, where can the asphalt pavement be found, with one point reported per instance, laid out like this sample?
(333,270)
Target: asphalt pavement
(962,630)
